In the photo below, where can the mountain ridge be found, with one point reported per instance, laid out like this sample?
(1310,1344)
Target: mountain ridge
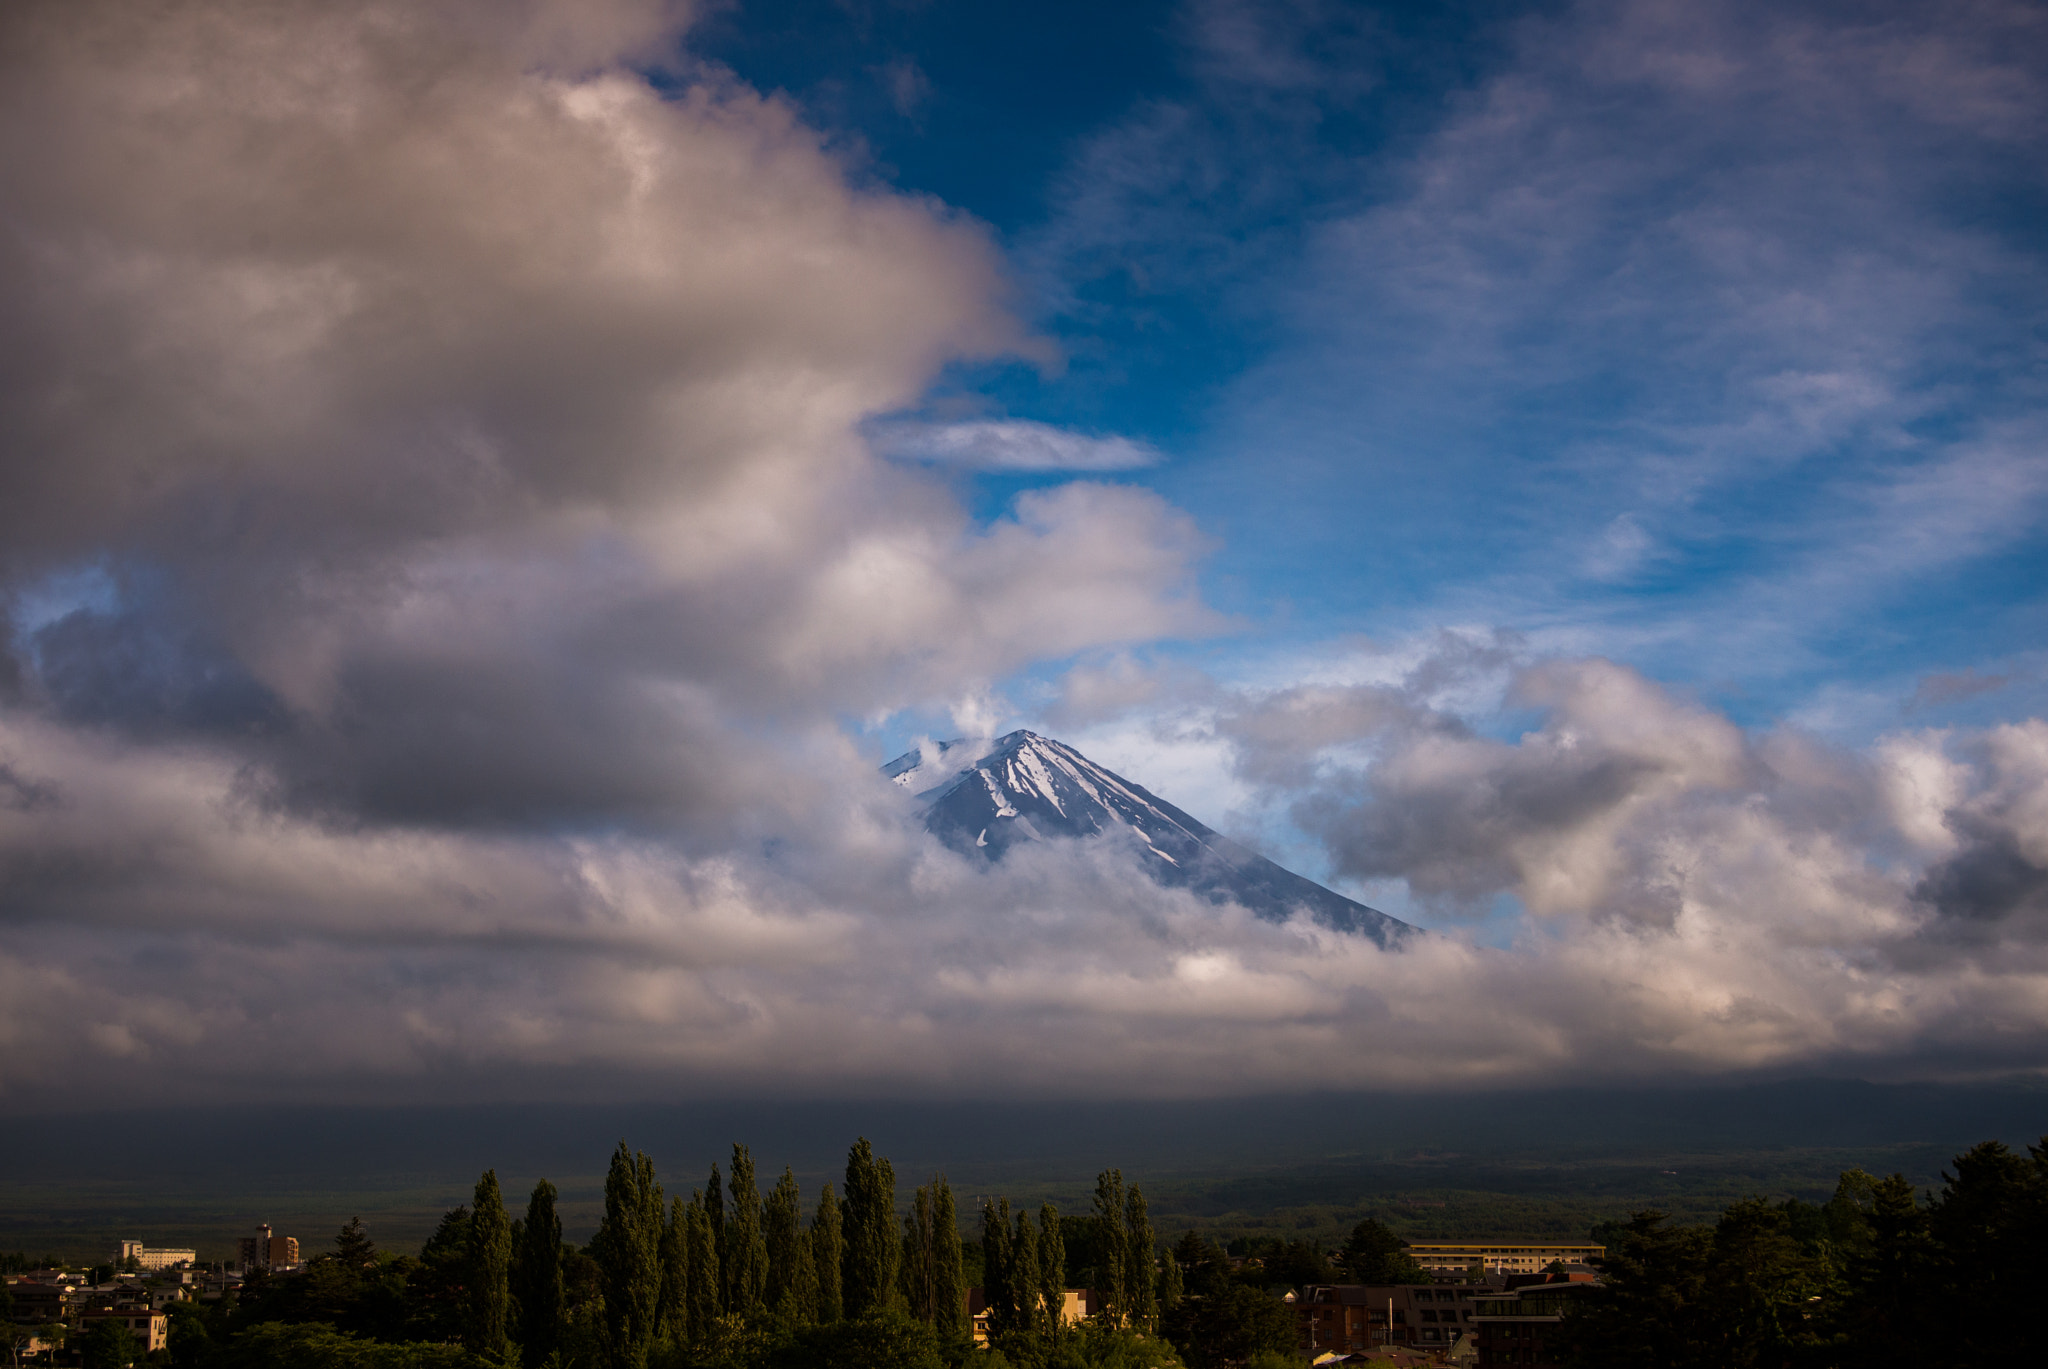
(1029,788)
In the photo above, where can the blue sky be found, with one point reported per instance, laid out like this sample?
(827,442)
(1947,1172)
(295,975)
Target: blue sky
(1710,341)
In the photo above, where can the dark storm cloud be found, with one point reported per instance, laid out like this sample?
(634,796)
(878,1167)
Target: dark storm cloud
(1990,880)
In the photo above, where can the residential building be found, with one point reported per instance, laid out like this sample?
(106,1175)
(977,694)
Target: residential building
(1079,1304)
(39,1302)
(1340,1318)
(1503,1257)
(151,1327)
(154,1257)
(1517,1329)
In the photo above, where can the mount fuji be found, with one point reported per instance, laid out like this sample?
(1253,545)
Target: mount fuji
(1028,788)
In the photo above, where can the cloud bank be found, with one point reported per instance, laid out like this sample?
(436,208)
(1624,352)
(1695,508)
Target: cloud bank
(445,551)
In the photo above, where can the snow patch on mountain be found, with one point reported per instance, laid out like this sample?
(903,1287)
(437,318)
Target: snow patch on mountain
(984,799)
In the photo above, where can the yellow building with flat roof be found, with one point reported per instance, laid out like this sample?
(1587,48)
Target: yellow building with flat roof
(1506,1257)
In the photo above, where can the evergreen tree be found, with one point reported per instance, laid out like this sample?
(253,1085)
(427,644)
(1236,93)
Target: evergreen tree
(537,1278)
(1027,1310)
(434,1290)
(1760,1288)
(672,1307)
(1375,1255)
(1886,1324)
(949,1290)
(1143,1311)
(700,1245)
(803,1298)
(1991,1223)
(714,1213)
(1222,1322)
(354,1248)
(627,1249)
(743,1254)
(918,1269)
(996,1293)
(1847,1214)
(1170,1287)
(1113,1244)
(828,1254)
(791,1289)
(1052,1266)
(1650,1306)
(487,1273)
(868,1277)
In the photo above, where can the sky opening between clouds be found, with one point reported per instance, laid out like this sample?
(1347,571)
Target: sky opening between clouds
(483,486)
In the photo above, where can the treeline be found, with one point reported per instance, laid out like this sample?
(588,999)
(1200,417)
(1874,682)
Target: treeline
(1874,1278)
(726,1278)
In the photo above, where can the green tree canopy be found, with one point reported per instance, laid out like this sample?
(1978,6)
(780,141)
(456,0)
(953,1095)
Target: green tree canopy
(1373,1254)
(828,1256)
(868,1280)
(110,1345)
(1112,1247)
(627,1248)
(488,1272)
(537,1278)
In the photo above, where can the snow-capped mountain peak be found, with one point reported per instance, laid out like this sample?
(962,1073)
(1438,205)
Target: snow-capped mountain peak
(985,798)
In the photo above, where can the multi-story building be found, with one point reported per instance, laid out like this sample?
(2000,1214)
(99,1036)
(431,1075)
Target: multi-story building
(154,1257)
(1500,1257)
(1518,1329)
(1342,1318)
(41,1302)
(151,1327)
(266,1251)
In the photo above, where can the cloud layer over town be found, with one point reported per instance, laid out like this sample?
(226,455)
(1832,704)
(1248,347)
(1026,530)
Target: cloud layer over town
(450,564)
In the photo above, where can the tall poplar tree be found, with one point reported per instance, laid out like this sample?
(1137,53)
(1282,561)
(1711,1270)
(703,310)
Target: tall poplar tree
(1052,1265)
(701,1245)
(792,1286)
(949,1292)
(487,1274)
(997,1294)
(714,1213)
(743,1253)
(627,1249)
(1142,1311)
(1023,1276)
(537,1278)
(1111,1245)
(868,1277)
(672,1312)
(828,1255)
(918,1268)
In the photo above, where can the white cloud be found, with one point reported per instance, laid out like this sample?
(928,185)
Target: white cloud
(1014,445)
(1703,901)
